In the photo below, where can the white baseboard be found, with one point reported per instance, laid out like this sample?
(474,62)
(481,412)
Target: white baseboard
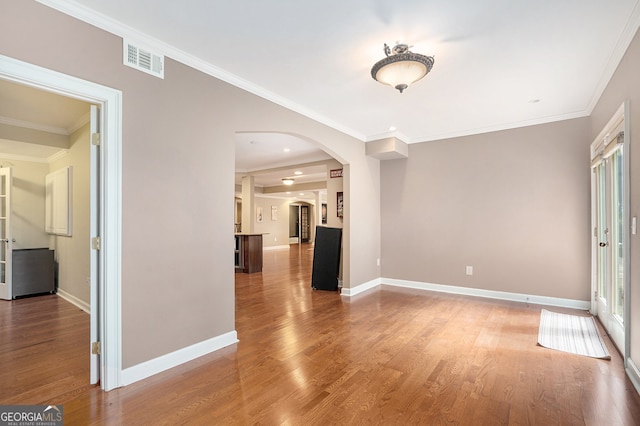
(492,294)
(468,291)
(173,359)
(75,301)
(276,247)
(633,373)
(349,292)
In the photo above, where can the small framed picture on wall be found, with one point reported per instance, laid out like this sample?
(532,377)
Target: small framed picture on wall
(259,215)
(274,212)
(324,213)
(340,204)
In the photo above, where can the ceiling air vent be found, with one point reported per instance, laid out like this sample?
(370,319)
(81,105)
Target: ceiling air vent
(142,59)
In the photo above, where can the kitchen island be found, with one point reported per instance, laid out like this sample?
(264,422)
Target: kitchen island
(248,253)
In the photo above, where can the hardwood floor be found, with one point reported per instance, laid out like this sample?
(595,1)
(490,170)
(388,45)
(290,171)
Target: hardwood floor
(390,356)
(43,350)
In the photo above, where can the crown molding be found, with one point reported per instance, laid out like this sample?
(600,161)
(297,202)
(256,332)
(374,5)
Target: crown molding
(85,14)
(57,156)
(33,126)
(115,27)
(45,128)
(82,121)
(501,127)
(628,33)
(26,158)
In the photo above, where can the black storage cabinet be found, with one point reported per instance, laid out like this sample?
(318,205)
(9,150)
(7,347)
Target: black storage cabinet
(33,272)
(326,258)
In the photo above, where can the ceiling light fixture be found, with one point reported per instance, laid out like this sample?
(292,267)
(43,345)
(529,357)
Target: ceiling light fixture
(287,181)
(401,67)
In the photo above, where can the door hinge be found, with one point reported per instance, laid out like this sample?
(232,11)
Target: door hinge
(95,348)
(95,139)
(95,243)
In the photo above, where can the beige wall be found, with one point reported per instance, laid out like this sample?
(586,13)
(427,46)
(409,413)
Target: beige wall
(513,204)
(28,206)
(178,137)
(277,231)
(625,86)
(72,253)
(27,203)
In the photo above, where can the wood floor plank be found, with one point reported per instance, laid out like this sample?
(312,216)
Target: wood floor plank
(390,356)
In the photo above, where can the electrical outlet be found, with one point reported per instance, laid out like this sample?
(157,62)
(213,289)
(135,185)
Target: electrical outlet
(469,270)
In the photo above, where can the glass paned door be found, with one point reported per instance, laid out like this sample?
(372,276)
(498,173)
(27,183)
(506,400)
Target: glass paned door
(5,234)
(602,235)
(304,223)
(609,241)
(617,219)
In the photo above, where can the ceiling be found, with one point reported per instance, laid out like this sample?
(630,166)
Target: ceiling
(29,108)
(493,58)
(499,64)
(271,157)
(44,110)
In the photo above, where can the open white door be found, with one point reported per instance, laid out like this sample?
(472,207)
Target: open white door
(94,226)
(5,234)
(610,238)
(106,321)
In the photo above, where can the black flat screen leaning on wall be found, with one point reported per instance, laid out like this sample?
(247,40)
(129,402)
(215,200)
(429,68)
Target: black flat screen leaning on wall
(326,258)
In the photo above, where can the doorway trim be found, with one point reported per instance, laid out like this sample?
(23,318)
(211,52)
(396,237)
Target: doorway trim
(110,209)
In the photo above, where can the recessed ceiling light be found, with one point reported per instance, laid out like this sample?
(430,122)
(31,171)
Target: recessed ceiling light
(287,150)
(297,172)
(392,129)
(287,181)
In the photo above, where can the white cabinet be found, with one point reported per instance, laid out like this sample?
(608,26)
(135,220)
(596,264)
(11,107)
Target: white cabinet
(58,202)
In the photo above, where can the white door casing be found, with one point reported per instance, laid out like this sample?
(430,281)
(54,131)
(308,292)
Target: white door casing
(107,299)
(6,243)
(94,231)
